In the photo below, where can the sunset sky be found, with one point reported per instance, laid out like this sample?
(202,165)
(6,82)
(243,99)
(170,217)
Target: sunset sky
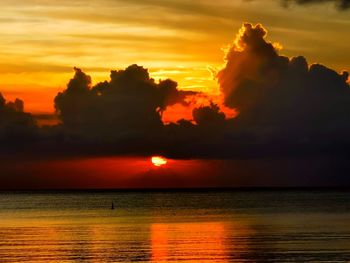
(224,93)
(42,40)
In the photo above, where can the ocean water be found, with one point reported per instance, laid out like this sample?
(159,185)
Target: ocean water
(198,226)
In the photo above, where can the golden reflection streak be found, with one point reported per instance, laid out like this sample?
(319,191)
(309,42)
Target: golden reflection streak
(195,242)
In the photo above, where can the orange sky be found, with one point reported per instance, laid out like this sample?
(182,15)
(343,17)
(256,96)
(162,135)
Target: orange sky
(42,40)
(117,172)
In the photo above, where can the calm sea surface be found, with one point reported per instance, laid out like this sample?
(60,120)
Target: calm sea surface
(230,226)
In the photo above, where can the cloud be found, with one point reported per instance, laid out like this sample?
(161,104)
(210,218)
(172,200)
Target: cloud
(340,4)
(280,98)
(128,106)
(16,126)
(209,116)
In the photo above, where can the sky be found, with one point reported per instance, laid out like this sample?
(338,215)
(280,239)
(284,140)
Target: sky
(229,93)
(42,40)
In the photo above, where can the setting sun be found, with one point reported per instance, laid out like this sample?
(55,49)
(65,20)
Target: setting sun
(158,160)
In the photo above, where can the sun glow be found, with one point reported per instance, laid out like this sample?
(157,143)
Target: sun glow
(158,160)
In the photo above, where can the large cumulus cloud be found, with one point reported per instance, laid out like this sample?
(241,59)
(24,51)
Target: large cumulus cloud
(128,106)
(280,98)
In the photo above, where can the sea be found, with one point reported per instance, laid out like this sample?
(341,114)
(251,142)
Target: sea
(298,225)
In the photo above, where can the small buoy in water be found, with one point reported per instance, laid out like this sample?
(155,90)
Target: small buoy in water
(112,206)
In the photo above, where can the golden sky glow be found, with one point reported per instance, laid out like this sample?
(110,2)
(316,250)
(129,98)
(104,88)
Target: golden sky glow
(42,40)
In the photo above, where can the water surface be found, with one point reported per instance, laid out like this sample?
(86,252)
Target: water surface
(206,226)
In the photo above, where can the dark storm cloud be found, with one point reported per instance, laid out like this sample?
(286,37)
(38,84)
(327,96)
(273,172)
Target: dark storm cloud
(16,126)
(128,106)
(282,99)
(340,4)
(209,115)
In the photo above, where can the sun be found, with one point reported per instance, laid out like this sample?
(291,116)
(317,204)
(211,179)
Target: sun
(158,160)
